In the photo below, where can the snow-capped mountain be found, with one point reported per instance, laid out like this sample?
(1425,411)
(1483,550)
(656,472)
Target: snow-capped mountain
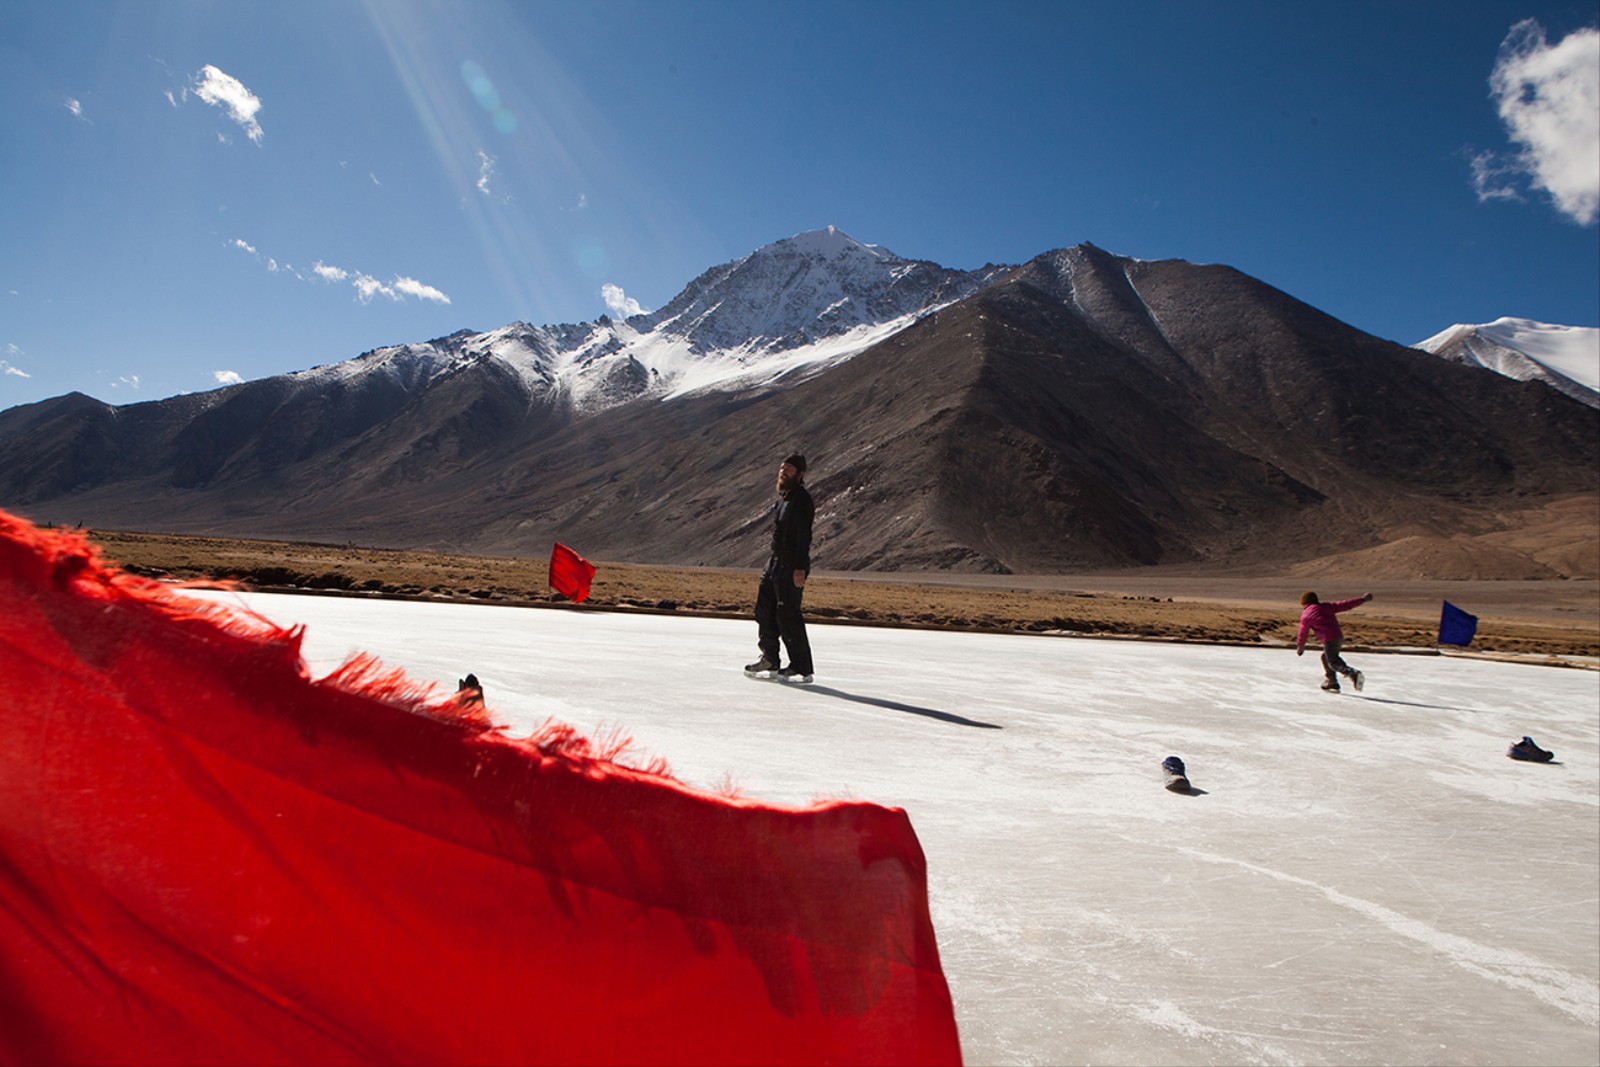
(800,304)
(1081,410)
(1564,357)
(803,290)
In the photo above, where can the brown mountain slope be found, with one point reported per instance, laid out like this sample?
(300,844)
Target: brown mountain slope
(1086,411)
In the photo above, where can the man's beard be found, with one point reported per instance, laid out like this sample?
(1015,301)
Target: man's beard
(786,482)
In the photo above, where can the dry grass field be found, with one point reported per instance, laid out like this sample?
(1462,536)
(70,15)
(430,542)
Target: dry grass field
(1549,619)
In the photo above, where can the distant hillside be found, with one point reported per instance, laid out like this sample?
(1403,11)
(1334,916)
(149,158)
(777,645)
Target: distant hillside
(1082,410)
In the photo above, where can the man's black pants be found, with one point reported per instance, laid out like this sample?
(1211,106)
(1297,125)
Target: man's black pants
(778,615)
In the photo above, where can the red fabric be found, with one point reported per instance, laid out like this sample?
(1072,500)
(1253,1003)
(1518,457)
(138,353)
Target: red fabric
(206,856)
(570,573)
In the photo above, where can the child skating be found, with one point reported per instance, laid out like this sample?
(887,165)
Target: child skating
(1323,619)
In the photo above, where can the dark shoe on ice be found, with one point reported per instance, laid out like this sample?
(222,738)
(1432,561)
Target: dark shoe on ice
(789,674)
(1177,777)
(1526,749)
(1330,687)
(762,666)
(1358,680)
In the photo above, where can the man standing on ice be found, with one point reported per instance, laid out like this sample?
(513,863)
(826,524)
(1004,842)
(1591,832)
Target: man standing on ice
(778,597)
(1324,619)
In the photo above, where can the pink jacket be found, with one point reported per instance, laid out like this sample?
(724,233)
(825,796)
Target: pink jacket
(1324,619)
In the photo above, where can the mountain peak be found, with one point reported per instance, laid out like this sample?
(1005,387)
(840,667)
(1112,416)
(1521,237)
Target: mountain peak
(817,286)
(1566,358)
(828,243)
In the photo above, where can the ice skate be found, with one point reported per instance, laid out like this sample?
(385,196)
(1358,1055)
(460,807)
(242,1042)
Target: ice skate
(761,668)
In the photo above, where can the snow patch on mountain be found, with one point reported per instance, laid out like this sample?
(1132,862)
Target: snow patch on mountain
(753,365)
(1566,358)
(410,366)
(803,289)
(797,305)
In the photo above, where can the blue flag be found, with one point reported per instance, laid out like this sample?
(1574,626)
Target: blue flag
(1456,627)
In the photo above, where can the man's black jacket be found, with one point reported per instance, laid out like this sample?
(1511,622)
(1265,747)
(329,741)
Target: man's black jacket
(791,530)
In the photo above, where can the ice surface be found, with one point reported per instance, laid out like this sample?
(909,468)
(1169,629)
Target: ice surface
(1359,878)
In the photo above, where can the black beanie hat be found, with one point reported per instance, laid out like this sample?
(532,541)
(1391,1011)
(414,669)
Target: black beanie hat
(797,461)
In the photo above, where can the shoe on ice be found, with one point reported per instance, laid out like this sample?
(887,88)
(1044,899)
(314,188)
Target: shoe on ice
(761,666)
(1330,687)
(789,674)
(1177,777)
(1527,750)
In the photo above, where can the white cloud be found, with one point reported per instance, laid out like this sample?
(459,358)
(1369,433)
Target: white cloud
(485,172)
(412,287)
(1549,99)
(130,380)
(6,368)
(1494,177)
(225,91)
(76,107)
(366,285)
(621,304)
(226,377)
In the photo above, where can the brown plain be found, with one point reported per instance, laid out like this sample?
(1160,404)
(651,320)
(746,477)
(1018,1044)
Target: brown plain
(1555,620)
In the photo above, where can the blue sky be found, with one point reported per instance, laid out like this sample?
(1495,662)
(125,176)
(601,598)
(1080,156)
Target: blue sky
(198,192)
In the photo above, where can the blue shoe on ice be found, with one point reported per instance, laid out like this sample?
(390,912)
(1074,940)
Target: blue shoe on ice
(1527,750)
(1177,777)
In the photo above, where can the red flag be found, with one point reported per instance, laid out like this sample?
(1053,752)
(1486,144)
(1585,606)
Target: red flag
(207,856)
(570,573)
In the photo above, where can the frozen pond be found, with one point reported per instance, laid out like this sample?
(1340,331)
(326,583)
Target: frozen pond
(1361,878)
